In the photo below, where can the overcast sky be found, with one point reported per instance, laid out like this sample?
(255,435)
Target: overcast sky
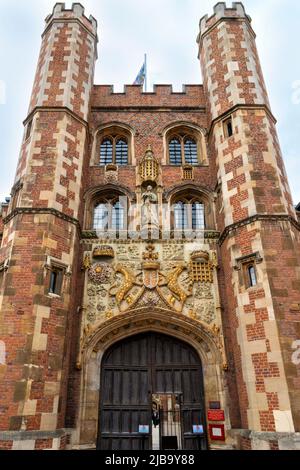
(166,30)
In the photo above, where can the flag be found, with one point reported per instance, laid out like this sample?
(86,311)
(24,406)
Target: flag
(140,79)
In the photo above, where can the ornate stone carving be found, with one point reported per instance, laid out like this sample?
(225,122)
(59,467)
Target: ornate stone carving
(121,290)
(86,264)
(128,252)
(101,307)
(216,330)
(188,172)
(201,268)
(111,174)
(91,315)
(173,252)
(202,291)
(150,298)
(100,273)
(196,330)
(149,167)
(109,315)
(208,314)
(171,281)
(98,290)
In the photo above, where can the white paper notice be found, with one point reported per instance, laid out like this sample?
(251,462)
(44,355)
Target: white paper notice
(217,432)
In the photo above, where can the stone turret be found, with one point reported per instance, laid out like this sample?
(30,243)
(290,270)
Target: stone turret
(40,236)
(256,218)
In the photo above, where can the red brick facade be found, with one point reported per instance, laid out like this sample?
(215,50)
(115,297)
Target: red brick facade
(250,219)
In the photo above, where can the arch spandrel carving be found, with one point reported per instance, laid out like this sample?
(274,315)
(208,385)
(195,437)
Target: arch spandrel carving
(206,339)
(207,342)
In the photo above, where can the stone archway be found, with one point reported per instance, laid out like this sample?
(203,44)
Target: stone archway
(206,342)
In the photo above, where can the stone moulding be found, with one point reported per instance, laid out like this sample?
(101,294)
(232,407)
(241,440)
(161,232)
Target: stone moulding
(40,210)
(160,319)
(92,235)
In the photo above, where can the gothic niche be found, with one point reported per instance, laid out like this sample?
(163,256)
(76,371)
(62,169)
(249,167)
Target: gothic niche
(149,187)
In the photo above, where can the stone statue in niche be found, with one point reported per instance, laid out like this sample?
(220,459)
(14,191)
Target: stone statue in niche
(149,208)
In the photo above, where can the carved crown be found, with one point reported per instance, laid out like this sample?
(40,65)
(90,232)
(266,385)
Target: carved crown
(103,251)
(151,265)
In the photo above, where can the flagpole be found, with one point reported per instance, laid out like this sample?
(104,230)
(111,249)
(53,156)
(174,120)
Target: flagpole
(145,72)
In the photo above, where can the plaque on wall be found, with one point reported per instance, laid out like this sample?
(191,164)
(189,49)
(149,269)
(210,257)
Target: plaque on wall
(217,432)
(143,429)
(214,405)
(198,429)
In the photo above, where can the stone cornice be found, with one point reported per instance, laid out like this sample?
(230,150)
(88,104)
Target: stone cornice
(201,35)
(54,109)
(149,109)
(90,236)
(41,210)
(256,218)
(70,20)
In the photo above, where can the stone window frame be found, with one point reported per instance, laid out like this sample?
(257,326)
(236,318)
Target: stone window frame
(196,191)
(111,201)
(228,129)
(4,265)
(108,196)
(183,130)
(108,190)
(15,195)
(114,131)
(243,265)
(182,134)
(189,197)
(54,264)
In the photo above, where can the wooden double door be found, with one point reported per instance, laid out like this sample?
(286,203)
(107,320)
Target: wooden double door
(133,371)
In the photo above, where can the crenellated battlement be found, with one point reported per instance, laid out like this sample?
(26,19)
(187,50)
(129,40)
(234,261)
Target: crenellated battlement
(221,10)
(162,95)
(60,12)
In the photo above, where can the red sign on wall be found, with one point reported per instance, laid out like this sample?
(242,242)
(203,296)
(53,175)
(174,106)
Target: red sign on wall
(216,415)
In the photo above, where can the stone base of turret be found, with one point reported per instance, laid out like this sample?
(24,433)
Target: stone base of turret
(243,439)
(35,440)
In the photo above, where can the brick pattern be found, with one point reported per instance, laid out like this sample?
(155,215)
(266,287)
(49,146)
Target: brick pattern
(36,335)
(65,70)
(246,444)
(232,72)
(281,247)
(54,164)
(148,130)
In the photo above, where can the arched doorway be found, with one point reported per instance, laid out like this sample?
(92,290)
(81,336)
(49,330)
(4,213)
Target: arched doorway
(146,372)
